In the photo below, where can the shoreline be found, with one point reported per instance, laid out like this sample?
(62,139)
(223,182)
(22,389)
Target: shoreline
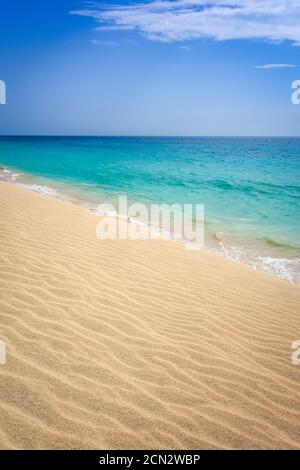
(137,345)
(284,268)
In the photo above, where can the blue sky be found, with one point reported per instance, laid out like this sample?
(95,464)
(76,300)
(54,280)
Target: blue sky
(157,67)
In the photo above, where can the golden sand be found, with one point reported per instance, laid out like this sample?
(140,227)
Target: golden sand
(123,344)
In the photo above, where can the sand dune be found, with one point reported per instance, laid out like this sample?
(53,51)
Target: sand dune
(122,344)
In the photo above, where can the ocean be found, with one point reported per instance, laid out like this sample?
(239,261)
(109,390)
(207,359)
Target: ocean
(250,187)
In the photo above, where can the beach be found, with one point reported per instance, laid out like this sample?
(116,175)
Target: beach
(137,344)
(249,186)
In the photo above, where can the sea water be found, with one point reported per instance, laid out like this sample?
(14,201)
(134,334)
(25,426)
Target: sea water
(250,187)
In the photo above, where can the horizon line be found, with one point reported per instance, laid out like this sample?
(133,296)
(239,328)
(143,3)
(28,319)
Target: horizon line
(191,136)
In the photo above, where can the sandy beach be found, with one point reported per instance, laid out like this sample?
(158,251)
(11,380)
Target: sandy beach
(123,344)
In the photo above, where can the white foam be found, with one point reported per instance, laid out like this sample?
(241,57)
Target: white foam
(45,190)
(8,175)
(285,268)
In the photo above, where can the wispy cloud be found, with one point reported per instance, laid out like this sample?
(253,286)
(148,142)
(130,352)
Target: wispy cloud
(275,66)
(97,42)
(184,48)
(179,20)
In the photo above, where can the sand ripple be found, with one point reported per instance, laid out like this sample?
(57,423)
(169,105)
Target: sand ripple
(137,344)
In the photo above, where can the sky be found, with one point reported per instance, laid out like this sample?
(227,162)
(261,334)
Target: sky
(150,67)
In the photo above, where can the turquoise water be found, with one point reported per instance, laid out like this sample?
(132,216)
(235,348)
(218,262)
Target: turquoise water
(250,186)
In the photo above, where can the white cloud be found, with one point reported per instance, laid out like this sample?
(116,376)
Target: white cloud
(97,42)
(275,66)
(179,20)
